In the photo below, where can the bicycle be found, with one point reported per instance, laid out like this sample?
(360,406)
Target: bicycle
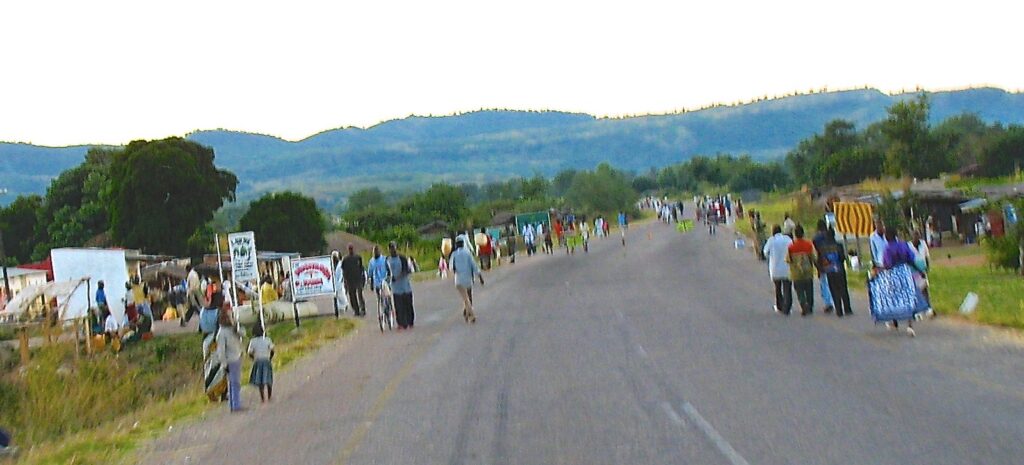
(385,307)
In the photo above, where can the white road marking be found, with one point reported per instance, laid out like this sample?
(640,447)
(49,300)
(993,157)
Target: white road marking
(640,350)
(723,446)
(672,415)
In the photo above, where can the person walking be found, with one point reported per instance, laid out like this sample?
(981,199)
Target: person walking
(802,264)
(465,269)
(261,349)
(378,270)
(776,248)
(924,257)
(229,354)
(399,274)
(878,244)
(483,248)
(788,225)
(530,237)
(898,253)
(832,258)
(353,273)
(194,292)
(819,241)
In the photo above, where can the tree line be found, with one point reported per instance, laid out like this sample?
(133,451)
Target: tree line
(904,144)
(161,196)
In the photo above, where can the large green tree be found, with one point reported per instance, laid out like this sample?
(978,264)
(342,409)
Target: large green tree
(18,223)
(162,191)
(73,210)
(440,202)
(285,222)
(1005,155)
(912,150)
(365,199)
(604,190)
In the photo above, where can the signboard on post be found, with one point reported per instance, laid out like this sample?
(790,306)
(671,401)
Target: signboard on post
(243,256)
(541,217)
(312,277)
(854,218)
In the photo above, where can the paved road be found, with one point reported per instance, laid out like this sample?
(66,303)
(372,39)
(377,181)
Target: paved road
(664,352)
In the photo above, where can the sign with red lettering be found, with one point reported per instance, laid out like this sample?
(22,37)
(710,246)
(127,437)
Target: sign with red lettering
(312,277)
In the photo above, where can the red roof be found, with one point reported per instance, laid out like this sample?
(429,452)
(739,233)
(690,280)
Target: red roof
(46,265)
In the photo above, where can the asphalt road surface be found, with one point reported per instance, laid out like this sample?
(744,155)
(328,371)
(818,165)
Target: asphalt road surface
(662,352)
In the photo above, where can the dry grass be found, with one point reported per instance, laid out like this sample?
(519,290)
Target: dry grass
(99,409)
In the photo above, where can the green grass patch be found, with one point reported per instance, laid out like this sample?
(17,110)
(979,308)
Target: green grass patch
(773,208)
(96,410)
(1001,293)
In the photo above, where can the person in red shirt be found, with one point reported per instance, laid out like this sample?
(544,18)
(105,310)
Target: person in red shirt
(802,267)
(559,233)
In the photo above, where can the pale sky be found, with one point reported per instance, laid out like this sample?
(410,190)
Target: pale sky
(100,71)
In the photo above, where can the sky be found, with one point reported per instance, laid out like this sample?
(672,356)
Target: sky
(100,71)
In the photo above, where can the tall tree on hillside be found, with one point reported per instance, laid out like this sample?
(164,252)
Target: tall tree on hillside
(18,221)
(562,182)
(1005,155)
(962,138)
(161,191)
(604,190)
(285,222)
(73,210)
(365,199)
(440,202)
(812,159)
(535,188)
(912,151)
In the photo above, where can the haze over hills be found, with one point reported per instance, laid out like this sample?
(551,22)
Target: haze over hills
(488,145)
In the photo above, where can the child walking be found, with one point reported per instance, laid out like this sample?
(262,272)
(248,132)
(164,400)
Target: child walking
(261,349)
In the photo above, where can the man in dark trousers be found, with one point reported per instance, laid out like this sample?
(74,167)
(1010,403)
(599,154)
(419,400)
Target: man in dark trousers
(353,273)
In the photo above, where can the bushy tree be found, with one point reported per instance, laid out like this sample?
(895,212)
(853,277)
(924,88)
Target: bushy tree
(440,202)
(912,150)
(162,191)
(365,199)
(1005,155)
(604,190)
(18,222)
(73,210)
(285,222)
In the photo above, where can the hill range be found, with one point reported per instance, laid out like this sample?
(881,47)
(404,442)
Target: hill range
(489,145)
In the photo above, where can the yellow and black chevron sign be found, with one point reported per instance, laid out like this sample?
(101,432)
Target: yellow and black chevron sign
(853,218)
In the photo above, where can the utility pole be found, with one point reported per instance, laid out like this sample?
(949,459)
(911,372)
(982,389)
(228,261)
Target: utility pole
(3,260)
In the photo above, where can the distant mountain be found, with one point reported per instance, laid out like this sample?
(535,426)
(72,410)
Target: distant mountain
(488,145)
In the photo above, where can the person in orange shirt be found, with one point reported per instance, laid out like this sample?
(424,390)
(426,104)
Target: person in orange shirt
(802,266)
(559,232)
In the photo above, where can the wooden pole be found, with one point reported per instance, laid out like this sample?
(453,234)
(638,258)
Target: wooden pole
(78,342)
(23,344)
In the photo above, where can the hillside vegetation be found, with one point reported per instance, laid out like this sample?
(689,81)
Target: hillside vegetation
(478,147)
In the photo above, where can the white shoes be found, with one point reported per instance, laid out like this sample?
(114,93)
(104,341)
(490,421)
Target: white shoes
(910,332)
(889,326)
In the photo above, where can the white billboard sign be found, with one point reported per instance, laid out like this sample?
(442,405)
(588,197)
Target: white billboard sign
(312,277)
(243,256)
(98,265)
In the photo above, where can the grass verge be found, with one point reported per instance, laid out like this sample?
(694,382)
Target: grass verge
(1001,294)
(100,409)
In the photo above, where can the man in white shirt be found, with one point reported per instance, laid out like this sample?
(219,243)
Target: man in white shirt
(776,249)
(878,244)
